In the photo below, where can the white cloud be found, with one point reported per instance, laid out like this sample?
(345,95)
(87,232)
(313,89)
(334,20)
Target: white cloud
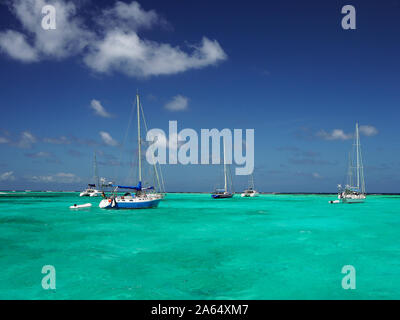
(61,140)
(42,178)
(40,154)
(125,52)
(99,109)
(129,17)
(7,176)
(107,139)
(336,134)
(178,103)
(316,175)
(69,37)
(339,134)
(116,47)
(3,140)
(27,139)
(15,45)
(368,130)
(61,177)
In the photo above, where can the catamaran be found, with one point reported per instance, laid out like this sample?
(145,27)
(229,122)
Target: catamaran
(354,191)
(250,192)
(91,190)
(145,197)
(224,193)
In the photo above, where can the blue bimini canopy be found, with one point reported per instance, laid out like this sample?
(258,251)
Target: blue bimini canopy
(137,188)
(128,187)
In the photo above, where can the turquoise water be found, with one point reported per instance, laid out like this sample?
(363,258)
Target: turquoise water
(193,247)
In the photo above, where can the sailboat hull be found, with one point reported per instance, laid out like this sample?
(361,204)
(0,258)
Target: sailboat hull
(222,196)
(351,198)
(90,193)
(353,201)
(250,194)
(356,200)
(129,204)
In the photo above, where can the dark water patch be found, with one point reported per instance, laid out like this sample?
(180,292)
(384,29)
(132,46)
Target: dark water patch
(256,212)
(20,220)
(10,244)
(27,202)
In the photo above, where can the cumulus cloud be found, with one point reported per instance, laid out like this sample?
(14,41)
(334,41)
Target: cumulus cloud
(60,140)
(61,177)
(129,17)
(7,176)
(336,134)
(26,140)
(178,103)
(69,37)
(107,139)
(114,47)
(316,175)
(99,109)
(40,154)
(339,134)
(368,130)
(15,45)
(125,52)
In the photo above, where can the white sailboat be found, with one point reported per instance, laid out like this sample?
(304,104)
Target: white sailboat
(226,192)
(250,191)
(354,191)
(145,197)
(91,190)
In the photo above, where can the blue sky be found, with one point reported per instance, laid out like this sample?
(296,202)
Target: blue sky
(285,68)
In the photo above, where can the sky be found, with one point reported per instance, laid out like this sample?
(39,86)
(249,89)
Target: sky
(286,69)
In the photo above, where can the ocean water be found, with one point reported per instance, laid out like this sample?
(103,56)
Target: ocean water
(194,247)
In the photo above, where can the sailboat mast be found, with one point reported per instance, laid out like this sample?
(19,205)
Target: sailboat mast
(358,156)
(96,174)
(139,139)
(226,180)
(350,171)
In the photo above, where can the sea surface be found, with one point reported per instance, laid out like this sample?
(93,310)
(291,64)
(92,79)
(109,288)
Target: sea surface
(194,247)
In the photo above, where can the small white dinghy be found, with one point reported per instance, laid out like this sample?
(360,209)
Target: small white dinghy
(334,201)
(80,206)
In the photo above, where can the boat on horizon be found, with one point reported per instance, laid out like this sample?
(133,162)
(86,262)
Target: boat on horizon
(91,190)
(250,192)
(145,197)
(354,191)
(224,193)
